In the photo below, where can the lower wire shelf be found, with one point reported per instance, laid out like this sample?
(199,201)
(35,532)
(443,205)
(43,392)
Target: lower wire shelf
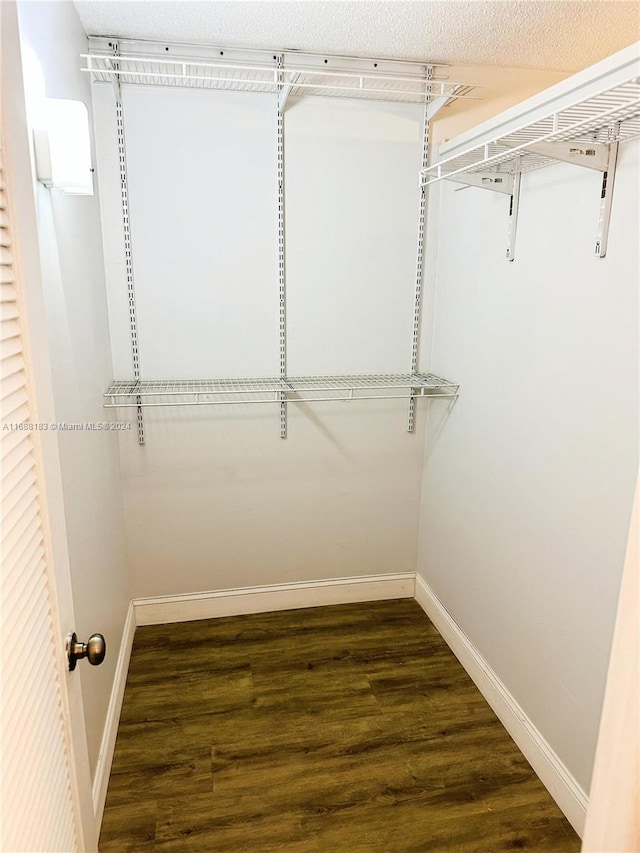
(290,389)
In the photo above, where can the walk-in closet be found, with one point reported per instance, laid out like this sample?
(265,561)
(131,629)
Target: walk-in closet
(320,425)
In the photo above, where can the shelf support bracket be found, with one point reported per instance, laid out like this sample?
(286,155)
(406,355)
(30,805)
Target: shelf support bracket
(592,156)
(285,91)
(606,195)
(514,205)
(436,105)
(126,228)
(496,181)
(282,279)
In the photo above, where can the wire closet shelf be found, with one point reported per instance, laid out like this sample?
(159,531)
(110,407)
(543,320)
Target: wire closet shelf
(281,74)
(610,115)
(151,64)
(207,392)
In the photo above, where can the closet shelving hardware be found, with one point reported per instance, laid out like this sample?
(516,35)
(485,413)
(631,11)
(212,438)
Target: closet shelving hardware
(155,64)
(282,74)
(422,219)
(581,120)
(293,389)
(299,80)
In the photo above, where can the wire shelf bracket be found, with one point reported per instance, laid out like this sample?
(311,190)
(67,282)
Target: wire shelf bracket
(594,156)
(606,196)
(514,207)
(499,183)
(434,106)
(286,89)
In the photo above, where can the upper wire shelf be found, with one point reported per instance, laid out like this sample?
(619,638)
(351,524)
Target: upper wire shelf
(609,115)
(199,392)
(256,71)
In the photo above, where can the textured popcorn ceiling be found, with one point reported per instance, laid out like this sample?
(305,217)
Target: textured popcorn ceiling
(563,35)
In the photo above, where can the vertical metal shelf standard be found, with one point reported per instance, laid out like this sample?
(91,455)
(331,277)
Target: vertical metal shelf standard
(128,257)
(346,77)
(282,270)
(422,215)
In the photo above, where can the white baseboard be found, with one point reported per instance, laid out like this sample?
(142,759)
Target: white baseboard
(107,747)
(261,599)
(560,783)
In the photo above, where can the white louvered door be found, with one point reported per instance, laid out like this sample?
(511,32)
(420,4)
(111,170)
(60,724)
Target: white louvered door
(39,813)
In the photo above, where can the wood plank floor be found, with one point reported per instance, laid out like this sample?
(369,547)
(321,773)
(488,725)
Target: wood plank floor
(347,728)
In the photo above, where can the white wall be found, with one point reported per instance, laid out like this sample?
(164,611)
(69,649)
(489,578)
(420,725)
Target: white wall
(529,481)
(216,499)
(73,274)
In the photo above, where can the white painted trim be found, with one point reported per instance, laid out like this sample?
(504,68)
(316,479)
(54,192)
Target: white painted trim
(262,599)
(552,772)
(613,819)
(107,747)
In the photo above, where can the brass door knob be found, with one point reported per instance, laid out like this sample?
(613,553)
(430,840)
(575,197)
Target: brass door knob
(94,650)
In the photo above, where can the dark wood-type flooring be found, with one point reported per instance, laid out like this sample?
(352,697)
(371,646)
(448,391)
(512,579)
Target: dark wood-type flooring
(347,728)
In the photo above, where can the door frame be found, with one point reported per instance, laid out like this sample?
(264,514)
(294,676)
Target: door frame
(18,156)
